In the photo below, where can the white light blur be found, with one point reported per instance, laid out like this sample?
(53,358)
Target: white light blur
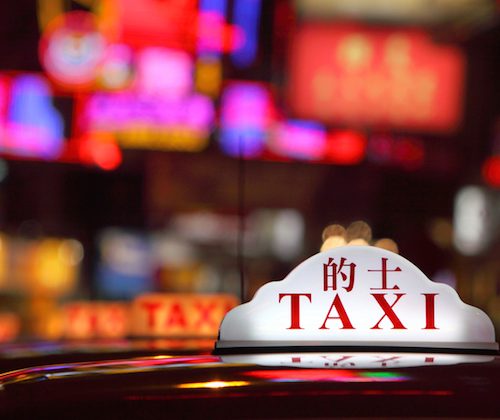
(471,220)
(125,252)
(71,252)
(213,384)
(288,234)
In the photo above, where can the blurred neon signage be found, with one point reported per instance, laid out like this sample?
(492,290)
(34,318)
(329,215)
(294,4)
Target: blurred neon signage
(71,49)
(150,22)
(345,147)
(299,139)
(115,71)
(52,266)
(159,111)
(33,127)
(10,326)
(156,314)
(405,152)
(215,35)
(247,111)
(210,21)
(165,72)
(399,78)
(490,170)
(157,122)
(84,320)
(208,75)
(246,15)
(178,24)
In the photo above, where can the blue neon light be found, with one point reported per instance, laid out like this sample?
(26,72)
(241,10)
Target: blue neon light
(35,127)
(246,15)
(300,139)
(245,119)
(216,8)
(246,142)
(219,6)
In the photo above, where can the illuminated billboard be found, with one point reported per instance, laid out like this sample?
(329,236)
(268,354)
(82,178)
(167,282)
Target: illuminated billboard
(375,77)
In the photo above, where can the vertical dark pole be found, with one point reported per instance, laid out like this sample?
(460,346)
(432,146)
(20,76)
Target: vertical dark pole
(241,218)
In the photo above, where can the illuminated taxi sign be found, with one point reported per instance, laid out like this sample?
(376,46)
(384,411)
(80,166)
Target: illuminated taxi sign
(179,314)
(356,296)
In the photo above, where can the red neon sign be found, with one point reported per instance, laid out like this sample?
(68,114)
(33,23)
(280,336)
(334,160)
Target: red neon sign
(379,77)
(175,24)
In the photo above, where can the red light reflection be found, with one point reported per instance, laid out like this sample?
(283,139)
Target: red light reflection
(325,375)
(345,147)
(491,171)
(103,152)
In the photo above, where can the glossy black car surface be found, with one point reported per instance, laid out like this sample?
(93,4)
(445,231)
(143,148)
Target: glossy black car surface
(294,385)
(21,355)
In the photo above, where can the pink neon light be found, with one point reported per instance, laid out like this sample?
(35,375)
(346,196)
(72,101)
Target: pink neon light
(124,110)
(215,35)
(246,105)
(299,139)
(165,72)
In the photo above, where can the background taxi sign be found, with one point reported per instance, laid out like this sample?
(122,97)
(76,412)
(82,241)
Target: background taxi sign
(179,314)
(356,296)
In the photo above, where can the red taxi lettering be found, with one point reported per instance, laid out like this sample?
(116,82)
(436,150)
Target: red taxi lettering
(205,311)
(82,321)
(342,315)
(388,311)
(333,273)
(337,311)
(165,314)
(429,311)
(176,317)
(294,308)
(151,308)
(383,271)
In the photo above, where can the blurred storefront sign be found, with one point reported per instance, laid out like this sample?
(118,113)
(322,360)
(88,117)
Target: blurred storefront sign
(160,111)
(150,22)
(139,121)
(10,325)
(84,320)
(376,77)
(71,49)
(247,113)
(183,315)
(30,126)
(411,11)
(181,24)
(33,126)
(246,15)
(304,140)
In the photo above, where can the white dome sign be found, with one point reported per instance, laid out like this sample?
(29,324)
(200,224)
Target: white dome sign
(356,296)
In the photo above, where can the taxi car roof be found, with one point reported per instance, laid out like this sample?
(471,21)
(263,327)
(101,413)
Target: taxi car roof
(209,387)
(20,355)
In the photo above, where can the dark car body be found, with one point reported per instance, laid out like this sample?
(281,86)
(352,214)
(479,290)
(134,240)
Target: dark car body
(20,355)
(279,385)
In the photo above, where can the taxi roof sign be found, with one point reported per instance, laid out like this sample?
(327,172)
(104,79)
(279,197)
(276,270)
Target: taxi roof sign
(356,296)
